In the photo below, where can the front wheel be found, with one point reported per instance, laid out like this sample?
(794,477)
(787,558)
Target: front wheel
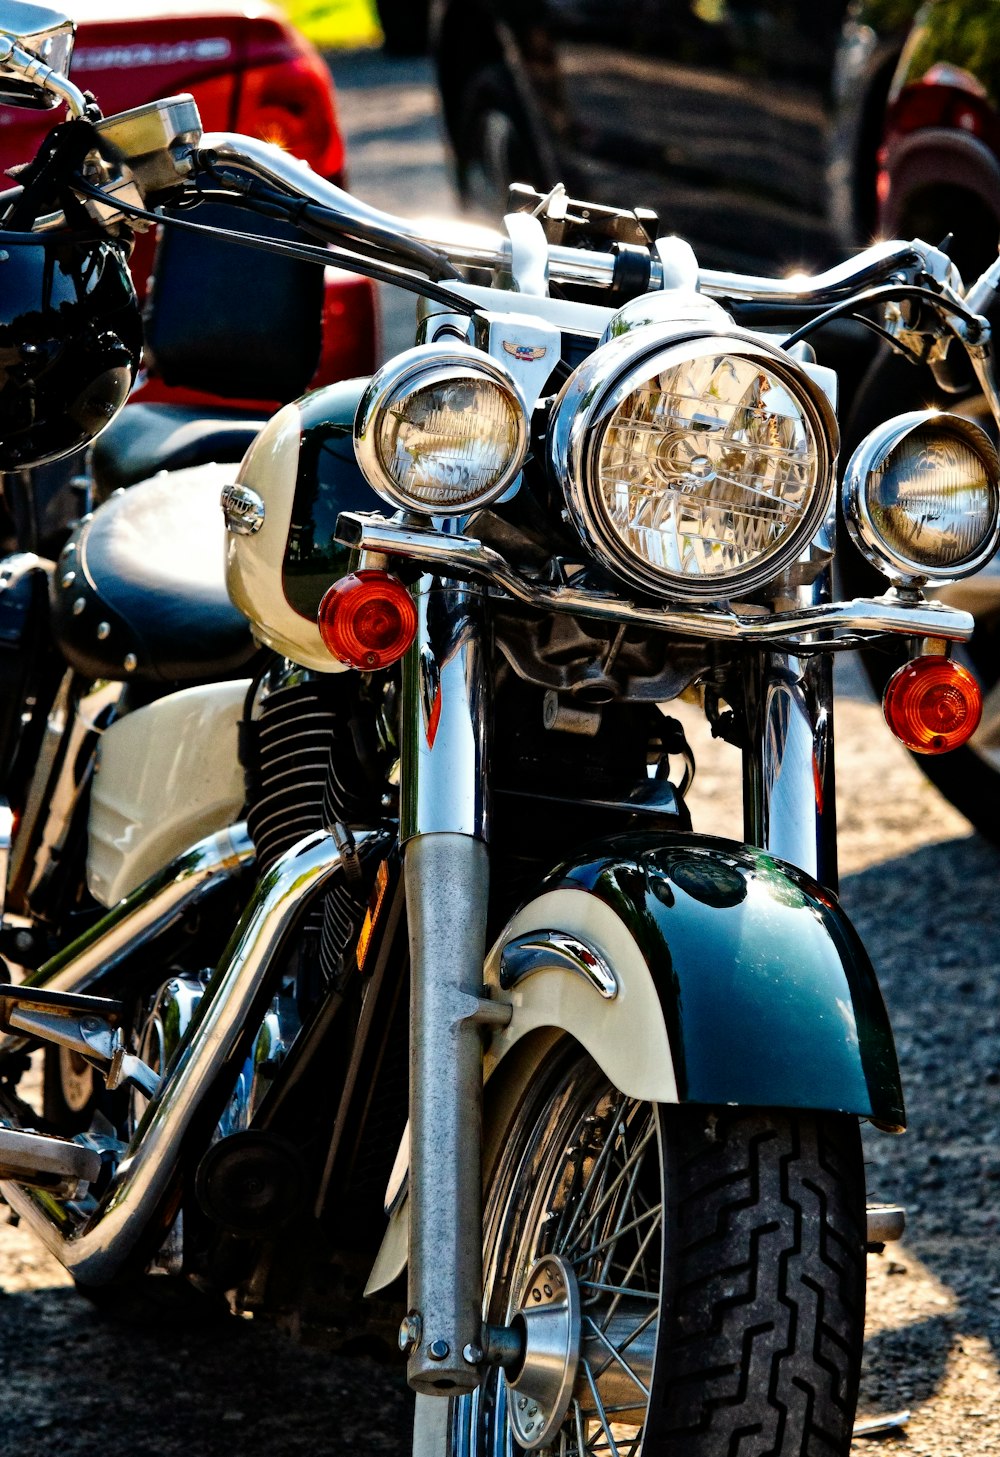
(701,1272)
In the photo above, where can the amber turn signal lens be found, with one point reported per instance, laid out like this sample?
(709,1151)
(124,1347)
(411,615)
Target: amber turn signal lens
(932,705)
(367,620)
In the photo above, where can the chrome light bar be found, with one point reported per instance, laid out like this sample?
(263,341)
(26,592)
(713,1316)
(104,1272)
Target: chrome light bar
(464,557)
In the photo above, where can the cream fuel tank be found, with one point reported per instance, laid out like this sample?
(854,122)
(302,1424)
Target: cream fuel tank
(281,556)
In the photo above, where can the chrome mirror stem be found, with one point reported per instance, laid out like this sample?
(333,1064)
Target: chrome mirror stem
(23,67)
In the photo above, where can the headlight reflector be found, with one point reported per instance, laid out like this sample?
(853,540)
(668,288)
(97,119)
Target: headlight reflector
(441,431)
(922,497)
(707,467)
(699,471)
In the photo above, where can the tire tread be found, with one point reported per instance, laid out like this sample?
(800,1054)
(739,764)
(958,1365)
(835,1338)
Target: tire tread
(761,1349)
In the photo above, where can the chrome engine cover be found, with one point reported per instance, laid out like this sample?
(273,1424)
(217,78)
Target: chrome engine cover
(166,1023)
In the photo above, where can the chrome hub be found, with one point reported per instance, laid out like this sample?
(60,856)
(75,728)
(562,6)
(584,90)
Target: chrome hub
(548,1318)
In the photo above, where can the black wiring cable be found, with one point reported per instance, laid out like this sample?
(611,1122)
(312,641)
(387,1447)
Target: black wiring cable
(366,249)
(321,218)
(886,294)
(886,337)
(302,252)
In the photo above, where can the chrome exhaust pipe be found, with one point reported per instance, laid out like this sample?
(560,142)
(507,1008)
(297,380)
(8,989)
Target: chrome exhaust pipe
(151,909)
(95,1251)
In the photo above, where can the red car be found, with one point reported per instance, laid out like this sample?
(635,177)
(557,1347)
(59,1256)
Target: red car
(249,71)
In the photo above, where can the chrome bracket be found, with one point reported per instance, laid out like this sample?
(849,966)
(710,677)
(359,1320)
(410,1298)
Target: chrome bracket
(528,348)
(86,1025)
(529,254)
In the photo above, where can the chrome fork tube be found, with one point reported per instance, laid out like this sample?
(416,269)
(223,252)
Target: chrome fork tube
(443,823)
(789,799)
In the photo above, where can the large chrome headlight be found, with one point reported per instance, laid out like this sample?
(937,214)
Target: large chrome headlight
(699,469)
(441,430)
(922,498)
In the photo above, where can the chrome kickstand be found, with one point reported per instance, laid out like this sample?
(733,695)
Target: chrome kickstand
(878,1426)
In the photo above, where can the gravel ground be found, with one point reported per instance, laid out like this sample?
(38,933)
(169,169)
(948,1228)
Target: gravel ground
(922,891)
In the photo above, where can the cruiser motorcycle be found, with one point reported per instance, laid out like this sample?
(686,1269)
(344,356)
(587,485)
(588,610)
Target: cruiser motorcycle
(420,1008)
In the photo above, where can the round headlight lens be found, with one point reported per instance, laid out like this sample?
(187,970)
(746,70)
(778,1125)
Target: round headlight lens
(923,497)
(440,437)
(699,467)
(708,469)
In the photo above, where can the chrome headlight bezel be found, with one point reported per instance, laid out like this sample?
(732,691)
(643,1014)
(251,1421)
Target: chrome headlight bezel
(870,456)
(424,366)
(584,410)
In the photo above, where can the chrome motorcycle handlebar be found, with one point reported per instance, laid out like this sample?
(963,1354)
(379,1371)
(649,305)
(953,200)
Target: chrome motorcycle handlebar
(480,247)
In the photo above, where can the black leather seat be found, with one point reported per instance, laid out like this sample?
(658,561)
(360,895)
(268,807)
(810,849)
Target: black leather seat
(145,439)
(140,591)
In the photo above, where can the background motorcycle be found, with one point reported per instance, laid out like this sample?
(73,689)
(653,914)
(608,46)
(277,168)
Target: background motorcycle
(249,70)
(635,995)
(193,405)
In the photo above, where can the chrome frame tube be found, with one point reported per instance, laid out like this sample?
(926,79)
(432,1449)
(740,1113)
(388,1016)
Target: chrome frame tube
(789,786)
(97,1250)
(444,823)
(157,904)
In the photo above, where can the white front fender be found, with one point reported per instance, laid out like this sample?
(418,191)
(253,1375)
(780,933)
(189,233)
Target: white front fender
(616,1016)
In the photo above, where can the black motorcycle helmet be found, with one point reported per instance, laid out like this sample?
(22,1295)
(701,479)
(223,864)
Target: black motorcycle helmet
(70,342)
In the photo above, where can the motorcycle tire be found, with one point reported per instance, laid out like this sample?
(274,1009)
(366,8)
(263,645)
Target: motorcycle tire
(492,145)
(70,1091)
(722,1249)
(969,777)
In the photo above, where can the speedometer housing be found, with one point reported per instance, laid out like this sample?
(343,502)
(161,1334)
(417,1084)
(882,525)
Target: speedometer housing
(697,465)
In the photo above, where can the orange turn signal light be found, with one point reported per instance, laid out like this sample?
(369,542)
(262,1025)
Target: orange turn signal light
(367,620)
(932,705)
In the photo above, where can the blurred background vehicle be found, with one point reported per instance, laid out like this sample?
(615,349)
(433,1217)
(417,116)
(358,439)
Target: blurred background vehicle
(765,131)
(772,134)
(250,70)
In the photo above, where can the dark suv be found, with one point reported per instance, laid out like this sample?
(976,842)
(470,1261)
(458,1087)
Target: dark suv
(768,132)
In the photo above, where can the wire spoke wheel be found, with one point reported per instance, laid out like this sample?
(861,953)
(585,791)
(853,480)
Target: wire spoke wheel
(685,1281)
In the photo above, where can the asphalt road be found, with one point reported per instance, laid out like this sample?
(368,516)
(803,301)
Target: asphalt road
(922,889)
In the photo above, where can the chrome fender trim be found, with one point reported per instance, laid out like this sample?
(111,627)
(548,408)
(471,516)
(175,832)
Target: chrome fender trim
(622,1028)
(625,1033)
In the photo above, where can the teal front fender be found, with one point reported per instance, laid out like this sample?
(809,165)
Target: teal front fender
(736,969)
